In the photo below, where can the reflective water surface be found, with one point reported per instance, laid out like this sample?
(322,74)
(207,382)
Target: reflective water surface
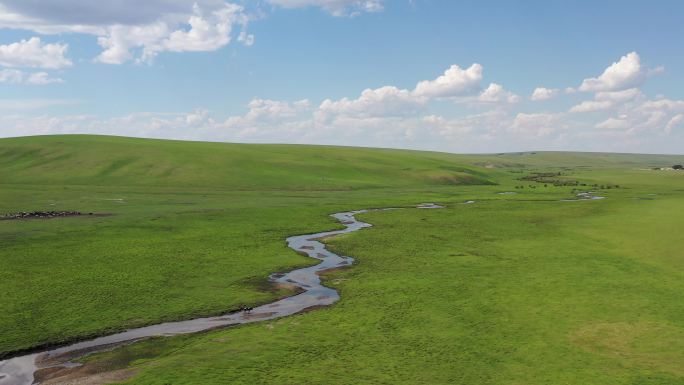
(20,370)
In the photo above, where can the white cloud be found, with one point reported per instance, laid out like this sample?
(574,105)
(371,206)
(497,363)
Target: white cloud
(607,100)
(664,104)
(334,7)
(536,124)
(206,31)
(677,121)
(664,115)
(448,127)
(389,102)
(641,118)
(592,106)
(34,54)
(383,101)
(613,124)
(268,121)
(129,29)
(266,117)
(454,82)
(197,117)
(495,93)
(273,110)
(387,116)
(625,73)
(13,76)
(42,78)
(541,94)
(619,96)
(246,38)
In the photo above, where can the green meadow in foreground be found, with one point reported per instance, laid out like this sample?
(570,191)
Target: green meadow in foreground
(513,289)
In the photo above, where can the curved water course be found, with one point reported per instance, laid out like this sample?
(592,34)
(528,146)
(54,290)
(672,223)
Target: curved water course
(21,370)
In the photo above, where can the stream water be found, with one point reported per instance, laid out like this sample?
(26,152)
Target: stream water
(21,370)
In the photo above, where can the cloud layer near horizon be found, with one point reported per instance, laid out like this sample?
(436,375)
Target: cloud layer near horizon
(388,116)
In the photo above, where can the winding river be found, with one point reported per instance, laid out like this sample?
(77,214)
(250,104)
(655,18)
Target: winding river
(21,370)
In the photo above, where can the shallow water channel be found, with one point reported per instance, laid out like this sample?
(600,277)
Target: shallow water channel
(21,370)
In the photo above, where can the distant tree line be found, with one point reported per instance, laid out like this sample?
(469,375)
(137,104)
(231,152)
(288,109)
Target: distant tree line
(550,178)
(675,167)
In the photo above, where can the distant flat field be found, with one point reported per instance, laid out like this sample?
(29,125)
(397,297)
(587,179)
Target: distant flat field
(512,289)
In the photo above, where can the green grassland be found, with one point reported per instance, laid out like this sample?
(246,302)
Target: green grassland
(514,289)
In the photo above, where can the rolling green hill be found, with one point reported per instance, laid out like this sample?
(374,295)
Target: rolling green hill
(109,160)
(105,160)
(521,288)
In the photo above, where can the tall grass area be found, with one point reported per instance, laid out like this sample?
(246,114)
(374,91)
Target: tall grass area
(513,289)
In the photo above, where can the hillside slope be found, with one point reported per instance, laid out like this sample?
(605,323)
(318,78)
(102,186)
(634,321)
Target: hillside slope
(105,160)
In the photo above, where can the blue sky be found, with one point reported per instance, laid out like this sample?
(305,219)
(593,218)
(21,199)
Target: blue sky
(440,75)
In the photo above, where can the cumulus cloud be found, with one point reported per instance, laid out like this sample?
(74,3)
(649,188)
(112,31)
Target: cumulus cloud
(592,106)
(334,7)
(535,124)
(42,78)
(495,93)
(664,105)
(542,93)
(448,127)
(646,117)
(613,124)
(274,110)
(497,130)
(155,26)
(482,126)
(619,96)
(675,122)
(607,100)
(374,105)
(625,73)
(386,116)
(207,31)
(34,53)
(454,82)
(383,101)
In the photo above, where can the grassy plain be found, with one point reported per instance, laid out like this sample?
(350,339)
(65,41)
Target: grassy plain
(514,289)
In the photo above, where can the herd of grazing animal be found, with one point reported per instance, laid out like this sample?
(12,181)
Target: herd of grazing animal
(41,214)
